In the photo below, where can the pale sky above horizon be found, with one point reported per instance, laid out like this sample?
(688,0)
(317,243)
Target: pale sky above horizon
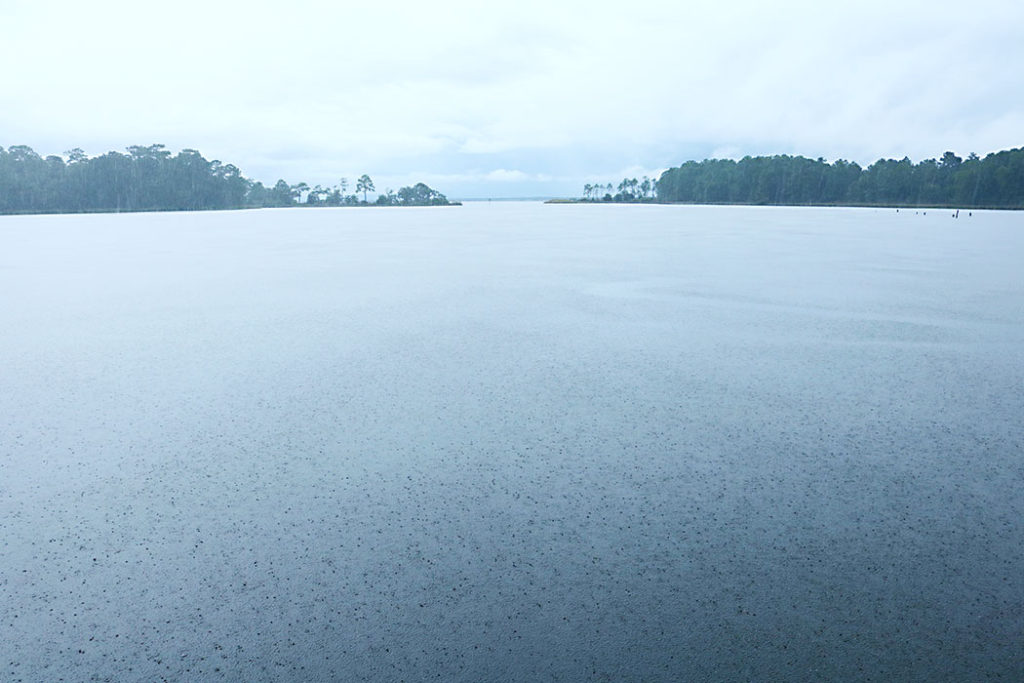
(525,99)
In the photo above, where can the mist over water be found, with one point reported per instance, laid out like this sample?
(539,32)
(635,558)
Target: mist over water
(512,441)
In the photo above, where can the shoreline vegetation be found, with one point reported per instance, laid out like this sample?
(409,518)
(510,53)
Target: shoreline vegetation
(995,182)
(841,205)
(152,179)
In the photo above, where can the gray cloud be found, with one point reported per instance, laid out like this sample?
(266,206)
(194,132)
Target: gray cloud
(465,91)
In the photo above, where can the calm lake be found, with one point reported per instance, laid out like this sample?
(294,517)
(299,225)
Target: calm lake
(512,441)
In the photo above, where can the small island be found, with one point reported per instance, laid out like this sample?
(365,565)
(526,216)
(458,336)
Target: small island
(151,178)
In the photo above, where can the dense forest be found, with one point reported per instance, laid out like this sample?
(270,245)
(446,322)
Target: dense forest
(152,179)
(997,181)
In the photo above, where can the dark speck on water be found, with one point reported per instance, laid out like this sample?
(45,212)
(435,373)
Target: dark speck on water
(512,442)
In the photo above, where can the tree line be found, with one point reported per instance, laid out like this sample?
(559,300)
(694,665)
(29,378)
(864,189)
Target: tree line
(417,195)
(997,181)
(629,190)
(151,178)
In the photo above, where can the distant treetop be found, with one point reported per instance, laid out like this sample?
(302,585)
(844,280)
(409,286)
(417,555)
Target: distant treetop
(997,181)
(151,178)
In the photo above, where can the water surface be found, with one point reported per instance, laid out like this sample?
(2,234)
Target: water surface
(512,441)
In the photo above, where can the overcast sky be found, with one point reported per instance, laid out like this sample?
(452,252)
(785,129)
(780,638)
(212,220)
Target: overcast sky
(525,98)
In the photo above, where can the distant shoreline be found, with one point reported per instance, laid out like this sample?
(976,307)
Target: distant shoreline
(995,182)
(152,178)
(94,212)
(847,205)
